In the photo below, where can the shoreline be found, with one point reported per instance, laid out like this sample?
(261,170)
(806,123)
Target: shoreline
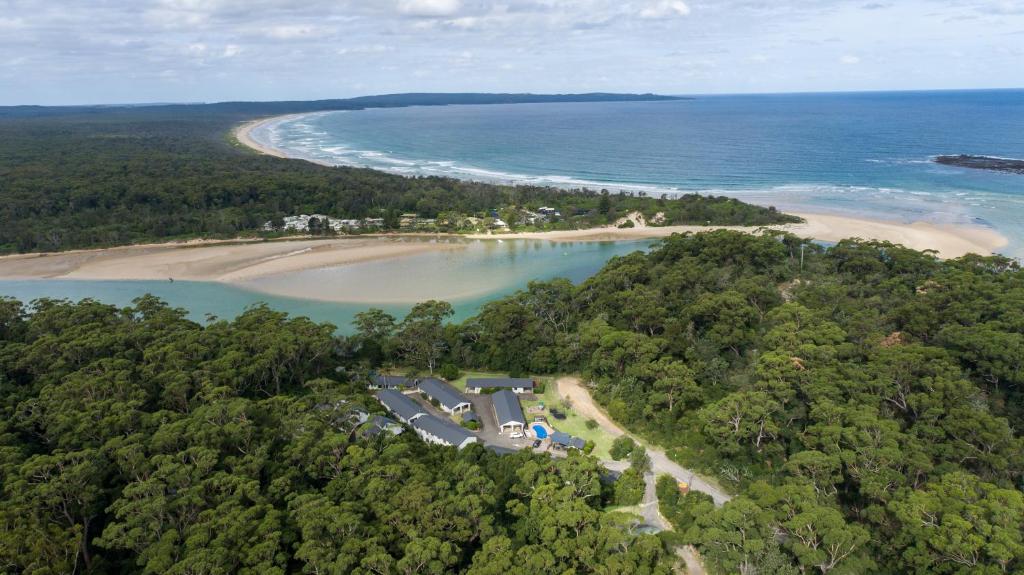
(239,260)
(243,133)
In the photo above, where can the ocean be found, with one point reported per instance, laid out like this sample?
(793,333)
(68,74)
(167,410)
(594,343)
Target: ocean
(858,154)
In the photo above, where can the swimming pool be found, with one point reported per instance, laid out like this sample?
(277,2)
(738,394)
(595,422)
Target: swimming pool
(540,431)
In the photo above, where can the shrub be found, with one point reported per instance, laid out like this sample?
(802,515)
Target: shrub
(588,447)
(471,425)
(622,447)
(629,489)
(449,371)
(591,424)
(626,224)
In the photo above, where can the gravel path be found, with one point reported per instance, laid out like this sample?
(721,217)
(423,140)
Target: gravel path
(572,388)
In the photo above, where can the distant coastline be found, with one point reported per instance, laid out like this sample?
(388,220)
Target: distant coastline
(949,241)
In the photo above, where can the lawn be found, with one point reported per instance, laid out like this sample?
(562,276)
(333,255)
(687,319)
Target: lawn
(460,384)
(573,424)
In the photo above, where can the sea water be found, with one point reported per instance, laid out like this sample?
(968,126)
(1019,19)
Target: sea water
(860,154)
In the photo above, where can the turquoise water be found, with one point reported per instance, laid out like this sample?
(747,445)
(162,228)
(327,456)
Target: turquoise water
(490,268)
(856,154)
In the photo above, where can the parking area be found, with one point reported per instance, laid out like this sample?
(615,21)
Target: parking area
(488,433)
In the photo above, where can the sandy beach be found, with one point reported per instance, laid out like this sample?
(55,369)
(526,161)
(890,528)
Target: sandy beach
(947,241)
(214,261)
(237,261)
(243,134)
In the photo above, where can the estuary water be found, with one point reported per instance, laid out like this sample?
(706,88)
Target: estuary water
(469,278)
(862,154)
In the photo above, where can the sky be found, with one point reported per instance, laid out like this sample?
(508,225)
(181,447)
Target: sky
(133,51)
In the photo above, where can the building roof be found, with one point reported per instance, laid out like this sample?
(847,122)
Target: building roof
(447,432)
(499,382)
(507,408)
(442,392)
(399,404)
(469,416)
(379,423)
(389,381)
(566,440)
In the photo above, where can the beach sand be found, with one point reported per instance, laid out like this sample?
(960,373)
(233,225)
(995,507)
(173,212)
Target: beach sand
(243,134)
(213,261)
(947,241)
(237,261)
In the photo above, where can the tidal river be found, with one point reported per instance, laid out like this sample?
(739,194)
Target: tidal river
(484,271)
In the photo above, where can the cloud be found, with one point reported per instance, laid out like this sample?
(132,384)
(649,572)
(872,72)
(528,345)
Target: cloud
(850,59)
(293,32)
(231,50)
(429,8)
(665,9)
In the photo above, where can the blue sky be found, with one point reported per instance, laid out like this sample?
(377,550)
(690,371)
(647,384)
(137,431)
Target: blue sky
(120,51)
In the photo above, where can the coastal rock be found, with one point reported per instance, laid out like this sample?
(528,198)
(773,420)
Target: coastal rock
(983,163)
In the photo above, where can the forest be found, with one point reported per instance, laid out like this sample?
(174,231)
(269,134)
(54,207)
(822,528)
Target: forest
(862,402)
(135,441)
(99,177)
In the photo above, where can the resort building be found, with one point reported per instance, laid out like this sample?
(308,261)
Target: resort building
(562,440)
(379,423)
(508,412)
(440,432)
(488,385)
(378,381)
(446,396)
(405,409)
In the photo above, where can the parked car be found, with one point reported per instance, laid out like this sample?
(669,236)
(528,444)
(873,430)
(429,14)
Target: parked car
(536,443)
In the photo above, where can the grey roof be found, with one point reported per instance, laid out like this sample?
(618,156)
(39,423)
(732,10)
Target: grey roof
(448,432)
(560,437)
(564,439)
(469,416)
(444,393)
(399,404)
(379,423)
(499,382)
(507,408)
(391,381)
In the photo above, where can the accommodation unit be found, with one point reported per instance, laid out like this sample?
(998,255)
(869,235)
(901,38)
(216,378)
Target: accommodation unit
(405,409)
(489,384)
(447,397)
(378,381)
(440,432)
(563,440)
(379,423)
(508,412)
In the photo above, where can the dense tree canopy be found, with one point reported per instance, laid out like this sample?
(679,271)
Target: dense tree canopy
(135,441)
(110,176)
(865,407)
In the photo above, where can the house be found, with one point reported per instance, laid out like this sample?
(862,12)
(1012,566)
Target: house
(488,385)
(379,423)
(508,412)
(562,440)
(405,409)
(469,416)
(445,395)
(440,432)
(378,381)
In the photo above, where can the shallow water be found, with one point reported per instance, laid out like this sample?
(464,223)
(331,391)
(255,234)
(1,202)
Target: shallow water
(468,279)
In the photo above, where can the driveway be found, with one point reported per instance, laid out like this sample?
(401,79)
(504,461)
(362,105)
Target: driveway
(488,433)
(572,388)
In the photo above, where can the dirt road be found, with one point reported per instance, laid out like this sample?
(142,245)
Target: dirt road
(572,389)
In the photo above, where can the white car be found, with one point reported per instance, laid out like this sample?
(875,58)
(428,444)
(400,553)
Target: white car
(516,435)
